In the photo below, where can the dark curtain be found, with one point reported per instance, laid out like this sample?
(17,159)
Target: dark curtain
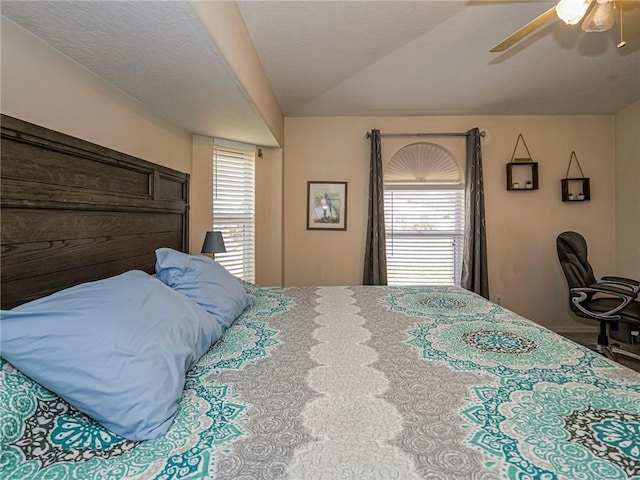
(375,257)
(474,259)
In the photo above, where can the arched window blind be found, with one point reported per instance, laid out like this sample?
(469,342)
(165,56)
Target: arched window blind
(424,216)
(234,205)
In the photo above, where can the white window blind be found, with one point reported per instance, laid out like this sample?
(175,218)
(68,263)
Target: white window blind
(234,205)
(424,232)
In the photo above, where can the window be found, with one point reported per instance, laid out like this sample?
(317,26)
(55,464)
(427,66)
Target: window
(234,205)
(424,220)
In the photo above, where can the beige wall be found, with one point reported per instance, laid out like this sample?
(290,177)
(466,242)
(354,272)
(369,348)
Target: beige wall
(201,214)
(521,226)
(627,127)
(42,86)
(269,217)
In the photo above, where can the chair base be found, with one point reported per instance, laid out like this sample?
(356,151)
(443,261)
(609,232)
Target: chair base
(602,350)
(610,351)
(626,353)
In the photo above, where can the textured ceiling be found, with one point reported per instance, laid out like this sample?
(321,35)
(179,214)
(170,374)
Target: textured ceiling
(342,58)
(310,47)
(432,58)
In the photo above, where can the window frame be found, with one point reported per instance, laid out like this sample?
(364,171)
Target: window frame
(457,233)
(232,161)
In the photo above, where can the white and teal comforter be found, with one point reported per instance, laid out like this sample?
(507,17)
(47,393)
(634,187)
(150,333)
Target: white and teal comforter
(358,383)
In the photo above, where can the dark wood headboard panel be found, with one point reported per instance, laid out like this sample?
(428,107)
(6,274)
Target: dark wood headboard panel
(73,212)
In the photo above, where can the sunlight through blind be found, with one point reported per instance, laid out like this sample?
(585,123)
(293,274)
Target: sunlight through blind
(424,233)
(234,205)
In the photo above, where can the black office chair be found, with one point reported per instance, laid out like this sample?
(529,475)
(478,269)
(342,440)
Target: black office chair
(612,300)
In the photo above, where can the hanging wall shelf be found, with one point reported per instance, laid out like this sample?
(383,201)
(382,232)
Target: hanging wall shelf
(522,172)
(576,189)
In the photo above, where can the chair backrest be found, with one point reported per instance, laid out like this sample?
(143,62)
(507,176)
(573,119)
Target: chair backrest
(572,253)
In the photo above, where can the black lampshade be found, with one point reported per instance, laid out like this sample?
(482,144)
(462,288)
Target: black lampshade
(213,243)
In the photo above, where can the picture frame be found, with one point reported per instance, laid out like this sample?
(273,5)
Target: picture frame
(326,205)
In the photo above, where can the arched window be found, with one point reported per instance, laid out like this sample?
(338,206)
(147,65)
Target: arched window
(424,216)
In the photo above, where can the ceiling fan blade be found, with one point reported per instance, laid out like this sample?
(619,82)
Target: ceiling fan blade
(530,27)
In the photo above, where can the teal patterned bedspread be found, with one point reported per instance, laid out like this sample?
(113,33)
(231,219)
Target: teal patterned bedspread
(358,383)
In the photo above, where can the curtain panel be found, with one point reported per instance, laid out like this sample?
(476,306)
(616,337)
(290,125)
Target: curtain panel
(375,258)
(474,260)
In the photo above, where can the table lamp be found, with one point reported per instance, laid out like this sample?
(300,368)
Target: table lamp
(213,243)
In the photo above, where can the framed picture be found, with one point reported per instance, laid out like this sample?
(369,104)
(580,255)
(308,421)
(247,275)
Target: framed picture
(326,205)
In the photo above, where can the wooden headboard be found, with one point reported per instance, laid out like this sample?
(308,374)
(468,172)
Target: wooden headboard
(73,212)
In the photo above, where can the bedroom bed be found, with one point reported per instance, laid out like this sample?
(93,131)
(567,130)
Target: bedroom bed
(320,382)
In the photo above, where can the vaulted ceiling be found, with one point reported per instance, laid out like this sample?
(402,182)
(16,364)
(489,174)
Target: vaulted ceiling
(335,58)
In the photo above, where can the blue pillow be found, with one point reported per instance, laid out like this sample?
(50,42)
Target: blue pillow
(205,281)
(117,349)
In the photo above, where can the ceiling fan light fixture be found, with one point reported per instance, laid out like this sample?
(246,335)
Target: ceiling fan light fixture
(572,11)
(601,17)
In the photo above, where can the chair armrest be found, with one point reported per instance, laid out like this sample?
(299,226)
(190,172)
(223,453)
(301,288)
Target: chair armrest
(579,295)
(609,290)
(634,285)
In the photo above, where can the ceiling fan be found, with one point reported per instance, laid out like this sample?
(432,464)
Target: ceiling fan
(599,16)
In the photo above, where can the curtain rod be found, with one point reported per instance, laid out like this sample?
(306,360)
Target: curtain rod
(482,134)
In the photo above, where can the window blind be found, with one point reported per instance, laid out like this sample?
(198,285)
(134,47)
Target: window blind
(234,205)
(424,233)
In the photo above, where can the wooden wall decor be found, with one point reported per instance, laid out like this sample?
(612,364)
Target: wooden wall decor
(522,172)
(576,189)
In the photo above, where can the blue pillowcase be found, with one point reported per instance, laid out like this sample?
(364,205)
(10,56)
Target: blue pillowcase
(117,349)
(205,281)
